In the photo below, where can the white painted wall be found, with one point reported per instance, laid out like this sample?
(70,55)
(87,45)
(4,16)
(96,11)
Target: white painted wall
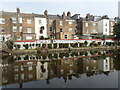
(37,27)
(39,73)
(119,9)
(102,27)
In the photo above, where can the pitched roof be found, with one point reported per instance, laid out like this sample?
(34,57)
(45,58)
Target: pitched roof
(53,16)
(14,14)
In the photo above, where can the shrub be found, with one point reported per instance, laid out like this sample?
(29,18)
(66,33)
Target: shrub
(99,43)
(18,46)
(41,38)
(50,46)
(43,45)
(86,42)
(55,45)
(65,45)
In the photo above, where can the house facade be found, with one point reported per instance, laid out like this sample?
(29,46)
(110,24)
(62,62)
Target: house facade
(40,26)
(61,26)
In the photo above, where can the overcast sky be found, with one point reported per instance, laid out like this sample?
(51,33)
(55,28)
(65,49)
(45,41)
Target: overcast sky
(82,7)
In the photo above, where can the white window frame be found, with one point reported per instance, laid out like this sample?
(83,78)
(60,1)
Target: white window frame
(40,21)
(20,20)
(2,20)
(28,37)
(29,30)
(70,22)
(86,24)
(61,23)
(14,28)
(29,21)
(21,29)
(70,29)
(14,20)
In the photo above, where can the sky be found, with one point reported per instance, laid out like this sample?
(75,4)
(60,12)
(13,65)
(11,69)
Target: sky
(82,7)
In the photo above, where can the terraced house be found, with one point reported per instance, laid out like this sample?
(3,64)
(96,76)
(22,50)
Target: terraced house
(60,26)
(22,26)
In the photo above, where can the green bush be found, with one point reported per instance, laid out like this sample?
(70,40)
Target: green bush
(55,45)
(65,45)
(86,42)
(41,38)
(43,45)
(18,46)
(50,46)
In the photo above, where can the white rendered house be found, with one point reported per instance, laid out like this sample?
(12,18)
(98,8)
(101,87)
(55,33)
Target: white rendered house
(40,26)
(103,27)
(119,9)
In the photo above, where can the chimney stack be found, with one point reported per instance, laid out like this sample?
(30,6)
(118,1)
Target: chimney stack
(69,14)
(18,10)
(45,12)
(63,15)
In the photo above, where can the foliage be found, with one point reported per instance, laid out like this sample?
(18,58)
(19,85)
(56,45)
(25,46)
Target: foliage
(116,30)
(42,38)
(86,43)
(50,46)
(55,45)
(10,44)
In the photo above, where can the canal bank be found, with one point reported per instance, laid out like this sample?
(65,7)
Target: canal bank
(28,51)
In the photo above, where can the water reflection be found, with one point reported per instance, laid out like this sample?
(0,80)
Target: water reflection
(26,68)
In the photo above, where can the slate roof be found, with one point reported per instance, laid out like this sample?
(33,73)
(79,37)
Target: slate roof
(14,14)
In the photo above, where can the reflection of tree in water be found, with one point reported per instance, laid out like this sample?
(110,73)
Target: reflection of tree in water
(106,73)
(116,61)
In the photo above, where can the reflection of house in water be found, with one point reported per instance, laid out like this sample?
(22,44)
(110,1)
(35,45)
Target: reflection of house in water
(18,72)
(90,66)
(104,64)
(0,72)
(42,70)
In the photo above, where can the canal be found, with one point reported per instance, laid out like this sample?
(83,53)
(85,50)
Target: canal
(83,69)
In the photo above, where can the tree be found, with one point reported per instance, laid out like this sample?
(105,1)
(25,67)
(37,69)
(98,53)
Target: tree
(116,30)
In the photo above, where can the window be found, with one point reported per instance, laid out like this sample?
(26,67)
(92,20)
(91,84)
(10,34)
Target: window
(94,30)
(22,76)
(70,29)
(30,68)
(2,21)
(50,28)
(21,29)
(22,68)
(14,28)
(106,29)
(86,30)
(40,21)
(60,29)
(20,20)
(106,24)
(29,21)
(86,24)
(30,76)
(50,22)
(14,20)
(15,68)
(29,30)
(70,22)
(111,23)
(28,37)
(66,36)
(60,22)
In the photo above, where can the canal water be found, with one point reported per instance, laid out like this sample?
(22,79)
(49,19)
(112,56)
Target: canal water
(83,69)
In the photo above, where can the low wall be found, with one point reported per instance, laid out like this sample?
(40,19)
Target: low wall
(32,44)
